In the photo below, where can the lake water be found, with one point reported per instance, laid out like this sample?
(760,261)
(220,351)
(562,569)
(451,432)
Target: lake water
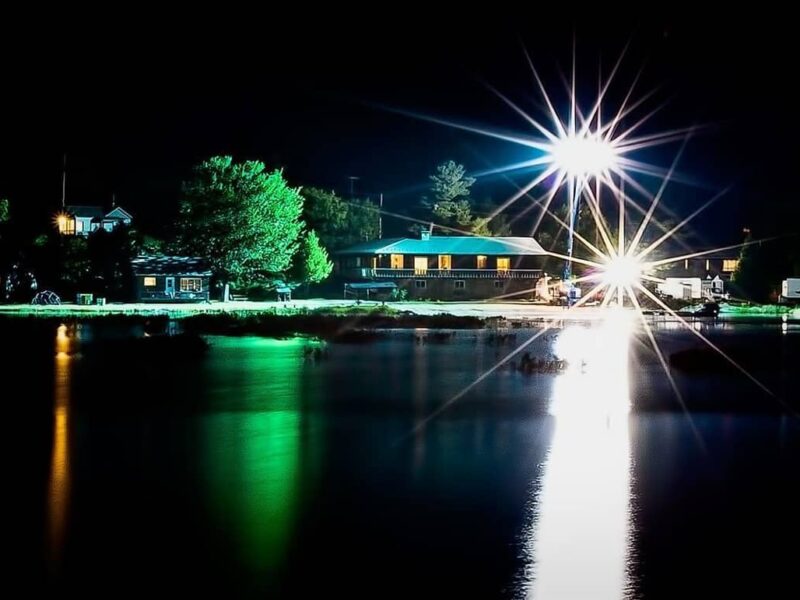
(382,469)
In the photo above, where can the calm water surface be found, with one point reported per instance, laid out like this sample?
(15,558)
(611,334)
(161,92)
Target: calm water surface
(381,469)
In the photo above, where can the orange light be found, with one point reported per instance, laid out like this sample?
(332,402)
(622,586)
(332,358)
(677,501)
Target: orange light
(61,220)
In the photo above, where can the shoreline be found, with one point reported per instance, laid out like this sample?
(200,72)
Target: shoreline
(331,318)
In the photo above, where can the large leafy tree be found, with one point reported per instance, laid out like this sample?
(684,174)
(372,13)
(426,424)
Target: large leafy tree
(4,210)
(312,264)
(339,222)
(242,218)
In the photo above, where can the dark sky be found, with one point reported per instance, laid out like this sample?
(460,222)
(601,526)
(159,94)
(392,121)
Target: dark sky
(137,100)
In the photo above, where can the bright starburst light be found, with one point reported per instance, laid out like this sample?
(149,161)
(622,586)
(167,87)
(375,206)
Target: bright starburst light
(592,160)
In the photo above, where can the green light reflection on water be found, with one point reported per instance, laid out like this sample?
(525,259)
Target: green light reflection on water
(252,466)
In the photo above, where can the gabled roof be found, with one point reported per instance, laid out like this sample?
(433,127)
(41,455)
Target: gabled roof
(450,244)
(119,213)
(85,212)
(170,265)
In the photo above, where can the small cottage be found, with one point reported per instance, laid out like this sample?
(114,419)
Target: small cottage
(171,279)
(84,220)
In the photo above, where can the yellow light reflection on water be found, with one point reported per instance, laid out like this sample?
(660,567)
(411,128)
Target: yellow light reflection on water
(60,480)
(580,535)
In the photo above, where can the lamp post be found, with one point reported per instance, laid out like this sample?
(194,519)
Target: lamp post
(580,156)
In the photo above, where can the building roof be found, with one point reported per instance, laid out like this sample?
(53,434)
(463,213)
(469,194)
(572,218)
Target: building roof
(371,285)
(83,212)
(451,244)
(170,265)
(119,213)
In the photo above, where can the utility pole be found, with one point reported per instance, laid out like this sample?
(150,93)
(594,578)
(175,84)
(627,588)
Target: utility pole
(380,217)
(353,179)
(64,182)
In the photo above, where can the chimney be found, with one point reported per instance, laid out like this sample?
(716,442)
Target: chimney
(426,235)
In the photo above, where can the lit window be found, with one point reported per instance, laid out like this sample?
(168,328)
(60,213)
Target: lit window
(397,261)
(191,284)
(729,265)
(149,282)
(419,283)
(78,225)
(459,284)
(444,262)
(503,264)
(481,261)
(420,265)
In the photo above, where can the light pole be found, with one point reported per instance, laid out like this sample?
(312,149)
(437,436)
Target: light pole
(353,179)
(580,157)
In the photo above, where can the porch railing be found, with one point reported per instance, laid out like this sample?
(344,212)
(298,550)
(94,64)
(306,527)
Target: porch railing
(384,273)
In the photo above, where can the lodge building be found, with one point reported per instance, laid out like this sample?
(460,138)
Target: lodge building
(449,267)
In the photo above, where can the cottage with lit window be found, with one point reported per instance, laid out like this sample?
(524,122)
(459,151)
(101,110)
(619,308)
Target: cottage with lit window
(448,267)
(83,220)
(171,279)
(698,277)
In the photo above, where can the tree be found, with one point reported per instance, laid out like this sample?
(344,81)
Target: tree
(312,264)
(453,206)
(4,210)
(451,183)
(338,222)
(451,189)
(243,219)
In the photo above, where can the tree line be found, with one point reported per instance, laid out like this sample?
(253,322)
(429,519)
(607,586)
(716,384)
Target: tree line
(258,232)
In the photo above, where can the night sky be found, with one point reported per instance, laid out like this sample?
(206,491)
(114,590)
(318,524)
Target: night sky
(135,102)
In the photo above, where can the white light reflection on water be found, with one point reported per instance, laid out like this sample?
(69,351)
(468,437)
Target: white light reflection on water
(580,536)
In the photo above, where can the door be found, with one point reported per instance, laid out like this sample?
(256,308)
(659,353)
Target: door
(169,287)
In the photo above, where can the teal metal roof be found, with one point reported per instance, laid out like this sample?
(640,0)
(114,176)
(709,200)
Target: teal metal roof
(451,244)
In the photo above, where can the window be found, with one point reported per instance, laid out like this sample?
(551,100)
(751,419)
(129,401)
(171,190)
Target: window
(396,261)
(149,282)
(481,261)
(419,283)
(708,265)
(445,262)
(78,226)
(686,264)
(499,284)
(191,284)
(420,265)
(374,262)
(503,265)
(459,284)
(729,265)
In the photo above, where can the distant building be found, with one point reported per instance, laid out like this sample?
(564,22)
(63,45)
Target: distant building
(790,289)
(448,267)
(699,277)
(83,220)
(171,279)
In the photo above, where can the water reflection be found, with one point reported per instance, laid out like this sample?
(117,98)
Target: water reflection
(253,454)
(580,537)
(60,480)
